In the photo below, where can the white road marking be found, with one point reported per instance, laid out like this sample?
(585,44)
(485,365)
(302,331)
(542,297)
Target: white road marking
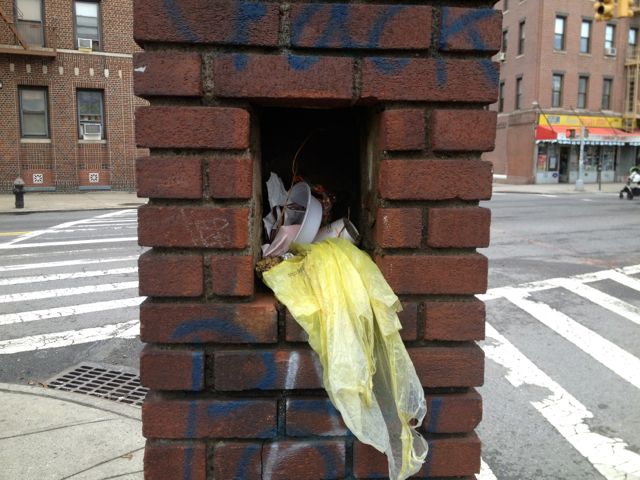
(6,246)
(485,472)
(94,252)
(44,314)
(610,456)
(586,200)
(66,276)
(613,304)
(623,279)
(66,263)
(130,329)
(548,195)
(619,361)
(65,292)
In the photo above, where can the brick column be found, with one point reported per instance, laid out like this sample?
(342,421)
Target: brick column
(236,391)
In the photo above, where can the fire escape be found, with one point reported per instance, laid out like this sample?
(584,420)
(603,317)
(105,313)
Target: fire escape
(632,77)
(30,36)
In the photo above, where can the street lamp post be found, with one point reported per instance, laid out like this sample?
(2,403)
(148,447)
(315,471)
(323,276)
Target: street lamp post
(579,181)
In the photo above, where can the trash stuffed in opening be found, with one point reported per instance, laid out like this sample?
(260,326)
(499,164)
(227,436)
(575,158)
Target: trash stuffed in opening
(340,298)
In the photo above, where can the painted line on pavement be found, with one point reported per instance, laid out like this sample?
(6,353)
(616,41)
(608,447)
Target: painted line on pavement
(130,329)
(610,456)
(59,312)
(94,252)
(67,263)
(604,300)
(12,234)
(619,361)
(485,472)
(625,280)
(66,276)
(66,292)
(6,246)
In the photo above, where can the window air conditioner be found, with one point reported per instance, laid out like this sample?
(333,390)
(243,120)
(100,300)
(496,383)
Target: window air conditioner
(92,131)
(85,44)
(502,56)
(610,52)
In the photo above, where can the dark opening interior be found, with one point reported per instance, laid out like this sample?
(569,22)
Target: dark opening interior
(330,156)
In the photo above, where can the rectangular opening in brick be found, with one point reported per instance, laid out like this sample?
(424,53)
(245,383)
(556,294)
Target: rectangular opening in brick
(330,148)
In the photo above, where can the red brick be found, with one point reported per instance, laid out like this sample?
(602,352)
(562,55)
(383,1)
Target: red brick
(175,460)
(448,457)
(283,460)
(435,274)
(169,177)
(211,22)
(165,275)
(469,29)
(398,228)
(253,322)
(193,227)
(402,129)
(463,130)
(454,320)
(234,418)
(458,227)
(361,26)
(293,331)
(428,80)
(453,412)
(192,127)
(459,366)
(232,275)
(308,460)
(266,370)
(313,416)
(170,74)
(409,320)
(290,79)
(435,179)
(172,369)
(230,176)
(235,461)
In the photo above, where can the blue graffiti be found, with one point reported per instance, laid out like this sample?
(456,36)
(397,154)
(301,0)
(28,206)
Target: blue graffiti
(337,28)
(434,414)
(442,73)
(247,459)
(180,21)
(270,376)
(192,416)
(197,371)
(248,12)
(466,23)
(190,331)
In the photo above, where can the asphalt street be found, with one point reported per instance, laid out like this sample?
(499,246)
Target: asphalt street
(562,389)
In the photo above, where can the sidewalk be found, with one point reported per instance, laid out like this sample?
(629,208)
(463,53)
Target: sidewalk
(51,202)
(52,435)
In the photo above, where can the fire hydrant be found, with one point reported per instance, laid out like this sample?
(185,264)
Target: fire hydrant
(18,191)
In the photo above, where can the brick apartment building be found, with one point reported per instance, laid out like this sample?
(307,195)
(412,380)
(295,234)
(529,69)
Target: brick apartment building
(66,95)
(561,70)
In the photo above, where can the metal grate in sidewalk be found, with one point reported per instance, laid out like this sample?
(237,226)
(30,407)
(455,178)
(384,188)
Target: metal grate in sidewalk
(110,382)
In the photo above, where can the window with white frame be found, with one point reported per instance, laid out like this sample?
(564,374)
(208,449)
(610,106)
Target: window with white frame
(90,114)
(560,26)
(609,37)
(34,112)
(585,36)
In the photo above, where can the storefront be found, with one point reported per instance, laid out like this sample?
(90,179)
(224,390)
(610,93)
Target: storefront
(609,151)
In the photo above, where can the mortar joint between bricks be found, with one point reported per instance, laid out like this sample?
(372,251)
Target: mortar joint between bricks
(357,80)
(284,28)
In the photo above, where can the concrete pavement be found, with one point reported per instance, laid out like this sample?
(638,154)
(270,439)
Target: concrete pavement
(48,434)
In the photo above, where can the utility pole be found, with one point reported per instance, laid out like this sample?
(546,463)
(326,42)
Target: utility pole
(579,181)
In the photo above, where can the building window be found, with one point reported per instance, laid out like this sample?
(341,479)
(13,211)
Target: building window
(631,95)
(585,36)
(88,25)
(607,84)
(556,90)
(583,91)
(34,115)
(90,114)
(518,93)
(501,97)
(558,39)
(521,38)
(633,41)
(505,5)
(504,41)
(29,21)
(609,37)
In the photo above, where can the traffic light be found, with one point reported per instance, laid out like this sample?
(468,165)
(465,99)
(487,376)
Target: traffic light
(603,9)
(625,8)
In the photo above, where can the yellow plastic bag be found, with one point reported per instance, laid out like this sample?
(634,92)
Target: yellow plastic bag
(339,296)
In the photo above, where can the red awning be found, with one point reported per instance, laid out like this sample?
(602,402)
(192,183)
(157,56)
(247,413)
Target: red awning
(545,133)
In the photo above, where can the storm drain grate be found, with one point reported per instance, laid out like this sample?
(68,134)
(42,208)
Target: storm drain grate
(104,381)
